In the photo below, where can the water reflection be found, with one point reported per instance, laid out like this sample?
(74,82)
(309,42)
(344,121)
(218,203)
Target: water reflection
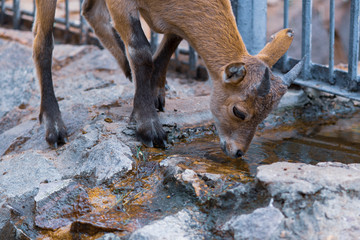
(339,142)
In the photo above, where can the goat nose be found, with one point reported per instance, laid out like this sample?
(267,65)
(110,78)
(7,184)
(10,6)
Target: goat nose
(239,153)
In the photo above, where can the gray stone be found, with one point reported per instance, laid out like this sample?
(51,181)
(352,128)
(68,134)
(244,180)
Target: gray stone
(14,56)
(17,86)
(318,202)
(87,89)
(293,98)
(46,189)
(108,159)
(183,225)
(92,154)
(262,224)
(109,236)
(298,178)
(24,172)
(15,136)
(72,156)
(65,53)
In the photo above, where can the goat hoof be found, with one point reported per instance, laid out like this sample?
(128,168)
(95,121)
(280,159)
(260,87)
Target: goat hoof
(56,134)
(151,134)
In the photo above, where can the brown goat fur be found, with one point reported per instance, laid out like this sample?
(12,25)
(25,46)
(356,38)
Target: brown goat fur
(244,89)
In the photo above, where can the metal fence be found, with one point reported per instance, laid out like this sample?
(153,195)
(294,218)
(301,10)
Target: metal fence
(251,19)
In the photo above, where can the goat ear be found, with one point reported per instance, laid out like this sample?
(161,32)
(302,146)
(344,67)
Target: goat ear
(274,50)
(264,87)
(234,73)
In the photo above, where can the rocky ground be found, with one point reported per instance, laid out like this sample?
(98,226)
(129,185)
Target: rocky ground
(103,184)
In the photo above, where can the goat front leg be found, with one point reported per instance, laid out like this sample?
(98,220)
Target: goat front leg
(97,14)
(42,55)
(126,21)
(161,61)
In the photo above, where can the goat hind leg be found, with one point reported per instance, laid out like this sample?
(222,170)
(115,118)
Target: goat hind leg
(161,61)
(42,54)
(97,14)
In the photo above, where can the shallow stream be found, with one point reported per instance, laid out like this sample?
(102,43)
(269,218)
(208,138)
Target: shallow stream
(306,143)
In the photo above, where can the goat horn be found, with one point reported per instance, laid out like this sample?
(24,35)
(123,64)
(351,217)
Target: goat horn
(290,77)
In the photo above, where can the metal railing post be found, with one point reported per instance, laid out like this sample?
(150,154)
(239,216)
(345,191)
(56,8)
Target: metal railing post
(251,22)
(67,22)
(17,14)
(306,37)
(82,21)
(34,9)
(331,42)
(354,44)
(284,59)
(192,59)
(2,17)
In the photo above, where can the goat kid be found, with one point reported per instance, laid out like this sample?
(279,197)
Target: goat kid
(244,88)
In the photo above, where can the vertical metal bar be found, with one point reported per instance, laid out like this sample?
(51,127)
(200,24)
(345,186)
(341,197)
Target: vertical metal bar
(251,22)
(284,59)
(82,39)
(67,23)
(2,17)
(153,41)
(331,42)
(354,43)
(16,16)
(192,59)
(234,6)
(306,37)
(286,13)
(34,9)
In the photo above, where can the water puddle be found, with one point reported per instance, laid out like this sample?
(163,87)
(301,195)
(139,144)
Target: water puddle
(306,143)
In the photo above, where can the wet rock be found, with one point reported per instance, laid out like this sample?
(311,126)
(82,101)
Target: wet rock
(7,230)
(24,172)
(22,215)
(318,202)
(206,187)
(183,225)
(263,223)
(59,203)
(91,227)
(187,178)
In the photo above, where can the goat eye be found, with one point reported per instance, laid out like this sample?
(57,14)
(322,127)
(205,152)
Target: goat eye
(239,114)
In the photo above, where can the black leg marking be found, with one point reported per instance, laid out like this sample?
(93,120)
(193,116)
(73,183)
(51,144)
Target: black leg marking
(49,109)
(161,61)
(148,126)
